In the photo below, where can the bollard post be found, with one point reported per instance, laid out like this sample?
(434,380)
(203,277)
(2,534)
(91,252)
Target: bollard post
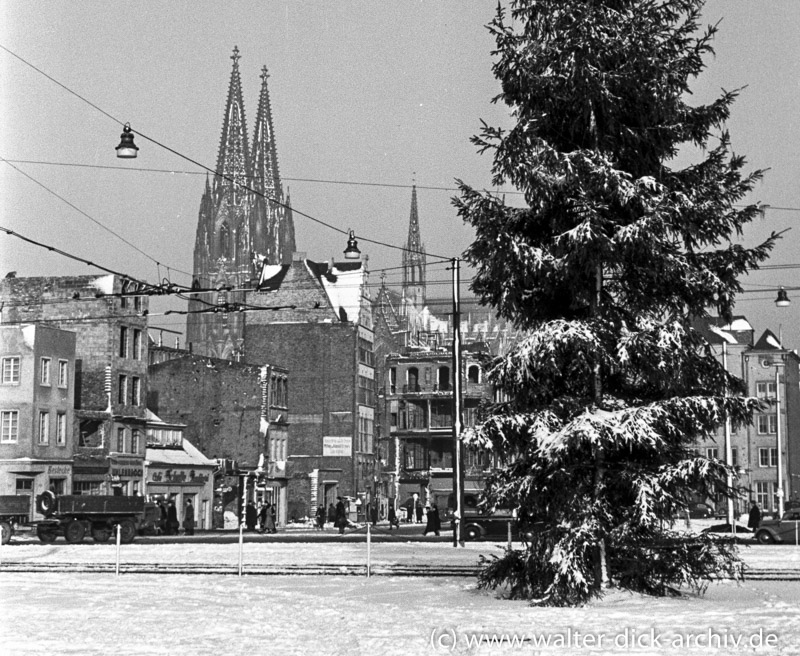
(241,545)
(369,550)
(509,535)
(119,542)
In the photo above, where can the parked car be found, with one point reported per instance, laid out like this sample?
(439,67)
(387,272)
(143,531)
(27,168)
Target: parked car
(696,511)
(495,525)
(780,530)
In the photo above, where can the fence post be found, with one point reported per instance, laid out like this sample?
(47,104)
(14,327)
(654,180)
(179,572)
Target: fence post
(119,542)
(369,550)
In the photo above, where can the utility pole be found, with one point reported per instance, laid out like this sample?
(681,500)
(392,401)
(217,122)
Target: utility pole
(458,444)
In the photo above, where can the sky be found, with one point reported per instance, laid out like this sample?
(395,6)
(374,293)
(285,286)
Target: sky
(380,95)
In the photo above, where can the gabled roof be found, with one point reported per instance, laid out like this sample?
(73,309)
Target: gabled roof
(768,342)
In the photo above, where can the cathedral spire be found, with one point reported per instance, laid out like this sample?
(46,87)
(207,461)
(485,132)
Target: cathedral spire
(234,156)
(414,252)
(265,154)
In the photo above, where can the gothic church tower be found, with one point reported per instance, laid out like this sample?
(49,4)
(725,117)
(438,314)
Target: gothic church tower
(243,216)
(413,265)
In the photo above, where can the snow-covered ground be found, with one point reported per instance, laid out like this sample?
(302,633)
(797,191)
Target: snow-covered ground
(63,613)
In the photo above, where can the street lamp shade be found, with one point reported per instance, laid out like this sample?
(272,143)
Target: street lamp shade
(126,149)
(783,298)
(352,252)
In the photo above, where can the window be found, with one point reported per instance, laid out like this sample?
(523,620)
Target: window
(136,391)
(768,457)
(11,371)
(413,379)
(414,456)
(63,373)
(135,441)
(44,378)
(767,424)
(123,342)
(86,488)
(137,344)
(44,427)
(764,494)
(474,374)
(392,380)
(121,440)
(444,378)
(24,485)
(9,426)
(734,456)
(766,390)
(712,453)
(122,391)
(61,429)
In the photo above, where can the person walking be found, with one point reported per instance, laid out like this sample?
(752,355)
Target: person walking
(262,518)
(162,524)
(373,511)
(172,519)
(392,517)
(419,512)
(754,518)
(250,516)
(331,514)
(321,517)
(271,527)
(341,517)
(433,522)
(188,518)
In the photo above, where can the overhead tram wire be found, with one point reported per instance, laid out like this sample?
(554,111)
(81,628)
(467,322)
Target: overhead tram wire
(209,169)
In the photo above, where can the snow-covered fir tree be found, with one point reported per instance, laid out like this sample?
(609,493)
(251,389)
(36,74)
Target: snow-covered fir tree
(615,252)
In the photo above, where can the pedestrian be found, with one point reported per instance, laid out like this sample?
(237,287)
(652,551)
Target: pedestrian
(392,517)
(331,514)
(188,518)
(409,510)
(433,523)
(341,517)
(419,513)
(262,517)
(373,510)
(321,517)
(172,519)
(162,524)
(270,525)
(754,519)
(250,516)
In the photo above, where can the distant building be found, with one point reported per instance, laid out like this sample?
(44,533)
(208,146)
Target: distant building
(769,370)
(231,411)
(175,470)
(108,316)
(37,389)
(238,229)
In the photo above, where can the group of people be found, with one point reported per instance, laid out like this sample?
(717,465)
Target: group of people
(263,517)
(169,523)
(337,515)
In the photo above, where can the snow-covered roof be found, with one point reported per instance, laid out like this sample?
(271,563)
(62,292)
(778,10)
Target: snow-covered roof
(188,455)
(726,336)
(344,287)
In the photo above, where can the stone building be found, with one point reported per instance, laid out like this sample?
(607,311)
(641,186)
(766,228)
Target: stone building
(232,411)
(108,316)
(37,389)
(244,220)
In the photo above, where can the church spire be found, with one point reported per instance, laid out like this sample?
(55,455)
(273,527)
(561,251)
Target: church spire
(414,253)
(265,154)
(234,156)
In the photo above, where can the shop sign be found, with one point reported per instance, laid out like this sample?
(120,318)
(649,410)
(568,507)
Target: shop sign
(337,446)
(127,472)
(178,476)
(59,469)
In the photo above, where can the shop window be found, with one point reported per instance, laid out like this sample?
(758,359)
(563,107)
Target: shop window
(24,485)
(57,486)
(91,488)
(44,372)
(9,422)
(10,371)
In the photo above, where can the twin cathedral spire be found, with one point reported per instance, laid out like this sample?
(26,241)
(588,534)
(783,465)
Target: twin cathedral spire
(243,212)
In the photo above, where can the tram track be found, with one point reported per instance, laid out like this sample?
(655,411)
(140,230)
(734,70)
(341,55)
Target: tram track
(326,569)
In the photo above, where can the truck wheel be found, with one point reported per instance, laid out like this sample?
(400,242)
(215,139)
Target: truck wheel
(46,503)
(74,531)
(5,532)
(101,534)
(46,534)
(128,531)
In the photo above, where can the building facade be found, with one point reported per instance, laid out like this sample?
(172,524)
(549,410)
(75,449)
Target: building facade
(37,390)
(108,315)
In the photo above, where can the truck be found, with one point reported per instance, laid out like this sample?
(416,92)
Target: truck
(74,517)
(14,510)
